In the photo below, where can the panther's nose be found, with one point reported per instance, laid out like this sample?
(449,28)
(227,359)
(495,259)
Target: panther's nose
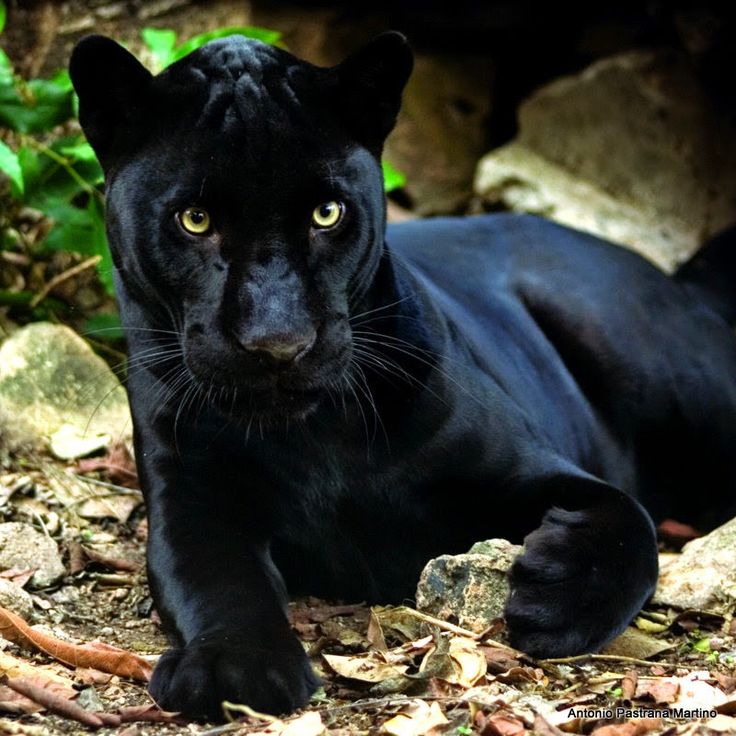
(281,348)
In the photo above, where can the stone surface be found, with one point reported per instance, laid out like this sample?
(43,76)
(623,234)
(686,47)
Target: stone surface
(22,546)
(440,132)
(629,149)
(49,378)
(703,576)
(15,599)
(469,589)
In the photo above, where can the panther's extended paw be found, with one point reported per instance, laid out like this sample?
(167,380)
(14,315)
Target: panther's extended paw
(271,678)
(578,584)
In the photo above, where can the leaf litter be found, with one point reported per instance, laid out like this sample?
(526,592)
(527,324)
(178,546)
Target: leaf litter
(385,670)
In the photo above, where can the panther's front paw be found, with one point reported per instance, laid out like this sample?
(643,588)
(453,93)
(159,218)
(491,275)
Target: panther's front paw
(270,677)
(577,585)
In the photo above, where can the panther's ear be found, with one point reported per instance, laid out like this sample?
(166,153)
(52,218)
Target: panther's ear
(112,86)
(371,81)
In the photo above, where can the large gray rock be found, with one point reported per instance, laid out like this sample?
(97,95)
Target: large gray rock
(703,576)
(470,589)
(50,380)
(440,133)
(15,599)
(629,149)
(23,547)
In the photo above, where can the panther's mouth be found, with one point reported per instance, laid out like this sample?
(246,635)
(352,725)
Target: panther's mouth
(273,403)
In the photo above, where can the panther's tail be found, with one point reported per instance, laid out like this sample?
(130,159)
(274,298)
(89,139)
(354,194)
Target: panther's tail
(711,274)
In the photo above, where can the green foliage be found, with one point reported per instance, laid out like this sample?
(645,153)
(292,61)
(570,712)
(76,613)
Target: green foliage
(51,167)
(392,179)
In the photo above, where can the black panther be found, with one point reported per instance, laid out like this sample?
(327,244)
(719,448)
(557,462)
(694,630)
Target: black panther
(321,403)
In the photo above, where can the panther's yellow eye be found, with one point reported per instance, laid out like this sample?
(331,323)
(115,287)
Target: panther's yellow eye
(195,220)
(327,214)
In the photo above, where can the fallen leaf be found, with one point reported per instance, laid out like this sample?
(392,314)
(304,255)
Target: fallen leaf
(149,713)
(499,660)
(52,702)
(628,684)
(661,690)
(722,724)
(502,724)
(364,667)
(18,575)
(97,655)
(635,727)
(308,724)
(469,662)
(117,463)
(414,719)
(636,644)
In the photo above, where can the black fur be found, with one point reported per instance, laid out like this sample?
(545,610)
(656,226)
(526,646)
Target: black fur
(458,379)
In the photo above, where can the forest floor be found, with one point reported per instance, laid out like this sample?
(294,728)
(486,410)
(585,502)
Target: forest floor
(384,670)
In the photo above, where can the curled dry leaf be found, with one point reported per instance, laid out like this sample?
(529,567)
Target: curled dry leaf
(468,661)
(500,724)
(95,655)
(637,727)
(364,667)
(416,718)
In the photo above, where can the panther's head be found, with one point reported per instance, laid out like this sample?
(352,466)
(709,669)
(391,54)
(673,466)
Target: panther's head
(245,206)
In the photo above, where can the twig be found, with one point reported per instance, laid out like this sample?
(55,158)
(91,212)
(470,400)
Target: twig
(61,277)
(52,702)
(609,658)
(118,490)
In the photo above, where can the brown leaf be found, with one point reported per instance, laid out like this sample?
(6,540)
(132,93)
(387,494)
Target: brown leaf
(416,718)
(628,684)
(96,655)
(52,702)
(542,727)
(19,576)
(630,728)
(727,682)
(90,676)
(118,464)
(503,724)
(112,563)
(660,691)
(150,713)
(499,660)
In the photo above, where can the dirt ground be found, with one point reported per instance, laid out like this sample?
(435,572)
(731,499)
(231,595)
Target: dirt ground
(387,671)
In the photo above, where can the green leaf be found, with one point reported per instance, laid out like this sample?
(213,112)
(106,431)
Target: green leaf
(3,15)
(702,645)
(6,71)
(104,326)
(79,151)
(161,43)
(392,178)
(10,166)
(260,34)
(34,107)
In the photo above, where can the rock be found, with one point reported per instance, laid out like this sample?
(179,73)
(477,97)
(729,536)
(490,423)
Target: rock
(703,576)
(15,599)
(629,149)
(440,133)
(49,379)
(470,589)
(22,546)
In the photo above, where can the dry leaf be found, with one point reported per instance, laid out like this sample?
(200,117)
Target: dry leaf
(662,690)
(364,667)
(118,463)
(628,684)
(416,718)
(503,724)
(468,661)
(630,728)
(95,655)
